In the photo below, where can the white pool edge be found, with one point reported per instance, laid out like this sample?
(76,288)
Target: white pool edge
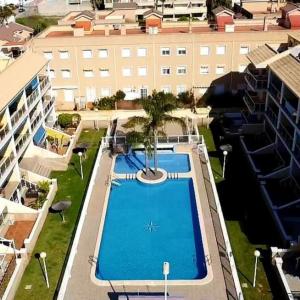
(209,276)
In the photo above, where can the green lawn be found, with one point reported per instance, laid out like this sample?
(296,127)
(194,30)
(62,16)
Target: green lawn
(38,23)
(242,248)
(56,236)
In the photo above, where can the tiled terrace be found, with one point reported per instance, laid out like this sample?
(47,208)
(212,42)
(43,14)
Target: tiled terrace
(80,285)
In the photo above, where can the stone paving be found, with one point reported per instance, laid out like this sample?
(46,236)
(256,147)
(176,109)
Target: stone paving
(80,285)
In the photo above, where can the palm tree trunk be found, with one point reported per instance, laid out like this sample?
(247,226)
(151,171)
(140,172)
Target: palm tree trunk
(155,152)
(146,162)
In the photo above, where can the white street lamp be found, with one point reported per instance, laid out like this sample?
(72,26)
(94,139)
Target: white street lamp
(166,271)
(225,153)
(257,255)
(43,257)
(80,159)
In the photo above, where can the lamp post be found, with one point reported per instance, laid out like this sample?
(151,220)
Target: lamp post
(43,257)
(166,271)
(80,159)
(257,255)
(225,153)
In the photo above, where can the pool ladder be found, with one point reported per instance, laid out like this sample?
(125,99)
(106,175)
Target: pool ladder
(130,176)
(173,176)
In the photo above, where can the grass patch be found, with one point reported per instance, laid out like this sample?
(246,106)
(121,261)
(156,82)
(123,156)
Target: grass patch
(38,23)
(242,247)
(56,236)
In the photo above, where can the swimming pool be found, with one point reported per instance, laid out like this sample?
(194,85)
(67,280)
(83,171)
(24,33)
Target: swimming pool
(134,162)
(146,225)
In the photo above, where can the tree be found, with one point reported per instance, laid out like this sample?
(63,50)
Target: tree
(5,13)
(157,107)
(188,99)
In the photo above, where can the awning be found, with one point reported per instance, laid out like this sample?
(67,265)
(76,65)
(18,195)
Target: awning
(40,135)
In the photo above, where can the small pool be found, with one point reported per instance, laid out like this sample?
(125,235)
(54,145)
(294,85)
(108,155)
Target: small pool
(134,162)
(146,225)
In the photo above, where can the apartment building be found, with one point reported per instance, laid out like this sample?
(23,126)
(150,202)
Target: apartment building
(274,150)
(92,56)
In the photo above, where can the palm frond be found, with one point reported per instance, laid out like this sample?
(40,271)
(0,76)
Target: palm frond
(135,121)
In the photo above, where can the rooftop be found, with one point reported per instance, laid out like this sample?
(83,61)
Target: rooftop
(11,32)
(18,74)
(261,54)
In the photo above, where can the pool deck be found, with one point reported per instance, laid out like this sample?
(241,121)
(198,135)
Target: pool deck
(80,285)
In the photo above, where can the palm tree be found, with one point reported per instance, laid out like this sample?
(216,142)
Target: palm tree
(157,107)
(5,13)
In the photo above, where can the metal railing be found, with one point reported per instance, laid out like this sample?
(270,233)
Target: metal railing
(32,98)
(286,135)
(3,132)
(6,162)
(21,140)
(274,91)
(44,84)
(18,115)
(273,117)
(256,81)
(35,121)
(47,105)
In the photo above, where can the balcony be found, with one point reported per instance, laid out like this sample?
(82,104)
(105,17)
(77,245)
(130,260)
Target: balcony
(4,132)
(18,115)
(35,121)
(5,163)
(21,140)
(254,101)
(44,84)
(274,90)
(256,79)
(287,134)
(272,116)
(47,104)
(32,98)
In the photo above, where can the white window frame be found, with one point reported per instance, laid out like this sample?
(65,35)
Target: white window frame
(220,50)
(48,54)
(125,52)
(204,52)
(126,72)
(104,94)
(51,73)
(204,67)
(244,49)
(64,54)
(66,71)
(104,72)
(142,71)
(181,49)
(219,67)
(141,52)
(181,68)
(143,88)
(103,53)
(165,51)
(87,53)
(165,74)
(88,73)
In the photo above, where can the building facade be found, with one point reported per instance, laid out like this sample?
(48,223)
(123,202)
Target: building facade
(274,152)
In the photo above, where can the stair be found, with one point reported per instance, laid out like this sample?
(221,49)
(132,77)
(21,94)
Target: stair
(33,165)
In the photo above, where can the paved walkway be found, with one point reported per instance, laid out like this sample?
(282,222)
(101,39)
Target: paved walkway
(80,285)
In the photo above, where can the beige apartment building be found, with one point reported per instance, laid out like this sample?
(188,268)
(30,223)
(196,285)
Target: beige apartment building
(93,56)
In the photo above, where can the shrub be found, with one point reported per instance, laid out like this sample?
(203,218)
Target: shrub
(106,103)
(76,119)
(65,120)
(120,95)
(44,186)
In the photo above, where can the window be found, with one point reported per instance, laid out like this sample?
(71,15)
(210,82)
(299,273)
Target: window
(87,54)
(220,50)
(242,68)
(141,52)
(181,51)
(165,70)
(69,95)
(48,54)
(244,50)
(142,71)
(88,73)
(126,72)
(65,73)
(144,93)
(52,73)
(220,70)
(204,50)
(180,89)
(64,54)
(104,72)
(165,51)
(125,52)
(181,70)
(166,89)
(204,70)
(103,53)
(105,92)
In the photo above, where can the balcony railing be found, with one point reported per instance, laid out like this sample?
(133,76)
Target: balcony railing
(286,135)
(272,116)
(3,132)
(21,140)
(36,121)
(44,84)
(6,162)
(47,105)
(274,91)
(17,115)
(256,79)
(32,98)
(297,152)
(254,102)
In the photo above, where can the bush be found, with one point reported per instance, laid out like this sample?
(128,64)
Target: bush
(65,120)
(106,103)
(44,186)
(183,19)
(120,95)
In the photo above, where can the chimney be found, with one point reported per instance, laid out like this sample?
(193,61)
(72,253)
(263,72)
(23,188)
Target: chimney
(106,30)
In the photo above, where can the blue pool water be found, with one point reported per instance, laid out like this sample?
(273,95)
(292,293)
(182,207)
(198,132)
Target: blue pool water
(131,163)
(146,225)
